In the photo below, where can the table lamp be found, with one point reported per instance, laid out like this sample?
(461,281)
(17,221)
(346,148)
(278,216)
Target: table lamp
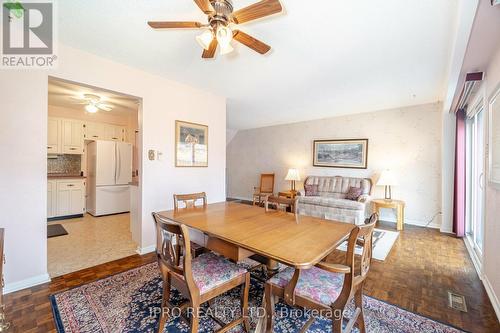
(293,176)
(387,179)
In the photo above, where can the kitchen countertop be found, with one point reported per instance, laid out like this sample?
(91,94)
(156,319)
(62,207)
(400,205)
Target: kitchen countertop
(64,176)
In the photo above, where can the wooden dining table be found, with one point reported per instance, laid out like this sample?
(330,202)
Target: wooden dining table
(237,231)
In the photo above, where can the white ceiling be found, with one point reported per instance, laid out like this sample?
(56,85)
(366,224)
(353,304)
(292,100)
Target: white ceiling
(70,95)
(329,57)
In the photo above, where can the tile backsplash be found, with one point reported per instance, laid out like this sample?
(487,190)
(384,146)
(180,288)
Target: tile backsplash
(65,164)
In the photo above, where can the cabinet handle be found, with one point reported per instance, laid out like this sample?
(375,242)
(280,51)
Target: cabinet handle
(72,149)
(95,136)
(114,138)
(71,185)
(4,260)
(49,147)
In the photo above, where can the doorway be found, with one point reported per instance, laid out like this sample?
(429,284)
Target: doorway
(93,170)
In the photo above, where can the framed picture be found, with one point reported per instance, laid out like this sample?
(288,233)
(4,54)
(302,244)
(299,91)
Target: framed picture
(191,144)
(494,134)
(341,153)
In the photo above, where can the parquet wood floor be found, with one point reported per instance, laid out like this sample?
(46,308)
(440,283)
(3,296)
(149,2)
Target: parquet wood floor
(422,266)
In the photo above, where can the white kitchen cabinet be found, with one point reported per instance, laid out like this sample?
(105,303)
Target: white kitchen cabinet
(72,136)
(70,197)
(95,131)
(53,138)
(51,198)
(113,132)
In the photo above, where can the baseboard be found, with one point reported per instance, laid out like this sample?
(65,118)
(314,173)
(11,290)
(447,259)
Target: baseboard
(474,258)
(240,198)
(486,283)
(145,250)
(493,297)
(27,283)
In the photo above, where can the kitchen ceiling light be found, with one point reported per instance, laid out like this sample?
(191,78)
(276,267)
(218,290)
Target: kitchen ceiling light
(205,39)
(91,108)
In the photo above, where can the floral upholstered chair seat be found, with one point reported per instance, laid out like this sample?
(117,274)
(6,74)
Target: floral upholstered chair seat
(315,283)
(211,270)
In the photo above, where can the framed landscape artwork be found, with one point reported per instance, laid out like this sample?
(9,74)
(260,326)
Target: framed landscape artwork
(191,144)
(341,153)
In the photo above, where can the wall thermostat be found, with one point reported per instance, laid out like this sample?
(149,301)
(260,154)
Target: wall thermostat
(151,155)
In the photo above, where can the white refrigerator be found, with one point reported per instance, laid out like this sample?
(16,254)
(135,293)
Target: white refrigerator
(109,168)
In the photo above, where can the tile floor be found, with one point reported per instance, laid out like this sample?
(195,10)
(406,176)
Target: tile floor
(90,241)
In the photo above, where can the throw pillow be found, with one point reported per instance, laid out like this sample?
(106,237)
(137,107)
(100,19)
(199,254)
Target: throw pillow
(354,193)
(311,190)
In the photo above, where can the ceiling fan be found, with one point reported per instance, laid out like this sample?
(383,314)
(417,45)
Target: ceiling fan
(221,29)
(93,103)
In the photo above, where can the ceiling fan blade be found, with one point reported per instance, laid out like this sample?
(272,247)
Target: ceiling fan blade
(205,6)
(251,42)
(104,107)
(174,25)
(210,53)
(257,10)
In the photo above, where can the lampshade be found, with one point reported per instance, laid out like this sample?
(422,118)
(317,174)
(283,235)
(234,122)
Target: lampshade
(293,174)
(205,39)
(387,178)
(226,49)
(224,35)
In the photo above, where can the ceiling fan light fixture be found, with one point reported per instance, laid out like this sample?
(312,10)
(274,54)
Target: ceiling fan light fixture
(91,108)
(226,49)
(205,39)
(224,36)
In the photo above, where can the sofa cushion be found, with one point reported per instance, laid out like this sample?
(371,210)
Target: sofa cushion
(311,190)
(354,193)
(332,202)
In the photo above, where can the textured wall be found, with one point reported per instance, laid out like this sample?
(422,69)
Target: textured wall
(406,140)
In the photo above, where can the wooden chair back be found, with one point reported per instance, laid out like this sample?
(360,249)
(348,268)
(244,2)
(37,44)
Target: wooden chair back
(173,250)
(190,200)
(361,235)
(266,183)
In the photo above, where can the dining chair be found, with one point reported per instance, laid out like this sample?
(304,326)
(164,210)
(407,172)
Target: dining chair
(265,189)
(189,200)
(200,279)
(327,287)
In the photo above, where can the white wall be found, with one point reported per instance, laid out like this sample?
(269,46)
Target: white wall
(492,225)
(23,175)
(24,132)
(406,140)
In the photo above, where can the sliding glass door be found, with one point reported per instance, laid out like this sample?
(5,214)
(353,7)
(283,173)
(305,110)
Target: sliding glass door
(475,182)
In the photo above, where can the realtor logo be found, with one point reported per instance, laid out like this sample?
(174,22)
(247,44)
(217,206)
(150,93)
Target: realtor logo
(28,34)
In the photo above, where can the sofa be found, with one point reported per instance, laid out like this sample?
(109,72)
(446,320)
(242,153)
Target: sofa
(330,200)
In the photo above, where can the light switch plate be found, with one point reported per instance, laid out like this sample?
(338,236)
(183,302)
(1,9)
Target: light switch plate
(151,155)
